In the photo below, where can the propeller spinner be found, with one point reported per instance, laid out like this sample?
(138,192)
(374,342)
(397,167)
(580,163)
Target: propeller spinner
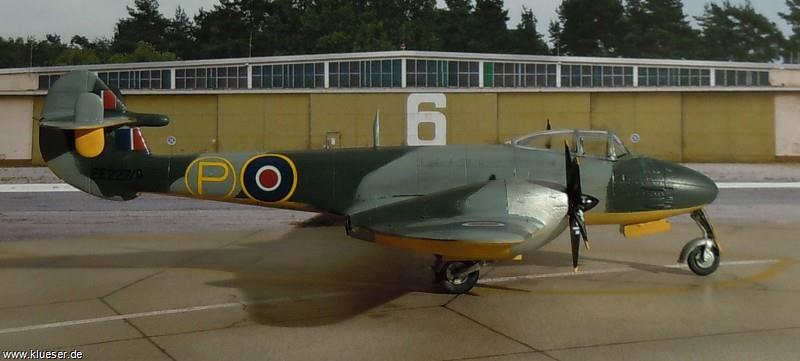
(578,203)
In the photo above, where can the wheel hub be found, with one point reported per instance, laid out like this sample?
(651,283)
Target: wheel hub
(450,274)
(705,259)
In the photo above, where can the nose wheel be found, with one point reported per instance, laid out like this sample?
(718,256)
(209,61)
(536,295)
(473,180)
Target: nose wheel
(701,254)
(703,260)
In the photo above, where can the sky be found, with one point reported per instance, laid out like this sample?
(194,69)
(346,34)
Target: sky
(96,18)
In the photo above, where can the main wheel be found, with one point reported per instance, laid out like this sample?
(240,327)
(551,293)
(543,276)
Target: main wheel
(703,260)
(448,279)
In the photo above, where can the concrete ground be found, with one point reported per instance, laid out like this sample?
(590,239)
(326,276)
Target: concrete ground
(162,278)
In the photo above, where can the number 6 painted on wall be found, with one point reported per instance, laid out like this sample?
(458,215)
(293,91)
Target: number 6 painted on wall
(415,117)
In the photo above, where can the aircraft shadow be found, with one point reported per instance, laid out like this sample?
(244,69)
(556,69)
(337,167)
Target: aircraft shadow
(311,275)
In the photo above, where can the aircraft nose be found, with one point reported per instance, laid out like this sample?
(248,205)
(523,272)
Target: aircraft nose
(694,187)
(642,184)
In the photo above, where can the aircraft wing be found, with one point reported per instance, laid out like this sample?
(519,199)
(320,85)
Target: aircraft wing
(482,220)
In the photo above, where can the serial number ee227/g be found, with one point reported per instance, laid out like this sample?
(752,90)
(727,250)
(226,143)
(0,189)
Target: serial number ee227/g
(116,174)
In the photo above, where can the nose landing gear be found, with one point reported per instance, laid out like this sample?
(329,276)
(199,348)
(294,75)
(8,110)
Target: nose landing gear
(701,254)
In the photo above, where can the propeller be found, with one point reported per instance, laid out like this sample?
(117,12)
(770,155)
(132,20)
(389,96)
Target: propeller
(578,203)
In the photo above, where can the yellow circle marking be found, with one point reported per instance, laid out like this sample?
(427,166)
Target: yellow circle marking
(228,170)
(291,165)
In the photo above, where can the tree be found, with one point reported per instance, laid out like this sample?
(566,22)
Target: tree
(74,55)
(282,27)
(341,25)
(658,29)
(235,28)
(46,52)
(589,28)
(738,33)
(555,30)
(144,23)
(455,25)
(526,39)
(179,36)
(14,53)
(791,47)
(418,25)
(144,52)
(493,37)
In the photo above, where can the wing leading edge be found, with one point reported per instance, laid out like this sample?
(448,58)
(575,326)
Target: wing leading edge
(477,221)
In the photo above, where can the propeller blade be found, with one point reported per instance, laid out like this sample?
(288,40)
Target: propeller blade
(582,227)
(575,239)
(577,204)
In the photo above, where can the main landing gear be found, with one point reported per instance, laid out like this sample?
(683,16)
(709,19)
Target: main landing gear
(701,254)
(457,276)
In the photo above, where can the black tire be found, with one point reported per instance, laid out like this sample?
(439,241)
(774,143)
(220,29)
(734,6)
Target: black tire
(456,286)
(694,260)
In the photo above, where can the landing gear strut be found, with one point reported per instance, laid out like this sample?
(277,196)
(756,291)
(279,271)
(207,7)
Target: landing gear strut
(457,277)
(701,254)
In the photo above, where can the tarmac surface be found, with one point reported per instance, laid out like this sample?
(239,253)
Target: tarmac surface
(161,278)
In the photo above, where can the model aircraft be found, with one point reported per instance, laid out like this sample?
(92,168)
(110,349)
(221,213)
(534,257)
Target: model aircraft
(466,205)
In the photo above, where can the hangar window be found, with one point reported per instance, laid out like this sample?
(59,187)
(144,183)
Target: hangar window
(137,79)
(519,75)
(667,77)
(596,76)
(425,73)
(365,74)
(230,77)
(741,78)
(46,81)
(290,76)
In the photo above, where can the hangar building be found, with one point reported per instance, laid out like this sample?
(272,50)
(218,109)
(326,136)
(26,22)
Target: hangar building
(689,111)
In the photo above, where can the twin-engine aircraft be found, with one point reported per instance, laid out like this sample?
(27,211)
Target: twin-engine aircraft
(466,205)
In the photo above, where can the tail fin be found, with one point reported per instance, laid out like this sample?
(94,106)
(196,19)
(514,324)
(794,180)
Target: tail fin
(84,127)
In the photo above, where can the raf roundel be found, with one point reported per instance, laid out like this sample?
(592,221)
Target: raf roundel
(269,178)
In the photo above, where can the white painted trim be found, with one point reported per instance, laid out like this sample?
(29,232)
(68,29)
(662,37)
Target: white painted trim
(612,270)
(758,185)
(776,90)
(170,311)
(37,188)
(250,76)
(481,83)
(712,77)
(558,76)
(403,72)
(327,71)
(409,54)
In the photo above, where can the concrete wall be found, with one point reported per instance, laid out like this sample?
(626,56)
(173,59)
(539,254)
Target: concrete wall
(787,126)
(689,127)
(15,128)
(27,81)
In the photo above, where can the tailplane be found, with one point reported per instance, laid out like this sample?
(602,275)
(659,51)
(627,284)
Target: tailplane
(87,135)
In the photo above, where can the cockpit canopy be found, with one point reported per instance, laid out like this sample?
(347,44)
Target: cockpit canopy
(590,143)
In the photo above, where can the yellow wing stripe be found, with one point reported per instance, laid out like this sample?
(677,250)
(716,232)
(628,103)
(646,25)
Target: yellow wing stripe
(625,218)
(452,250)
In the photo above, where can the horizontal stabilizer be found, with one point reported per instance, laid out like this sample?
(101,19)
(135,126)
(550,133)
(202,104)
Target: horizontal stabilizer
(79,100)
